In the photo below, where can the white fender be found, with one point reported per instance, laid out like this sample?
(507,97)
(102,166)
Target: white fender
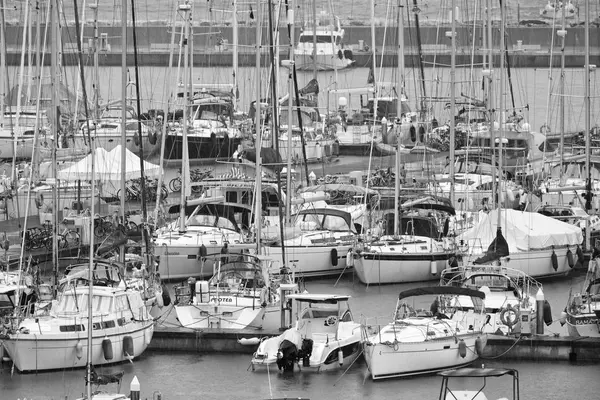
(249,341)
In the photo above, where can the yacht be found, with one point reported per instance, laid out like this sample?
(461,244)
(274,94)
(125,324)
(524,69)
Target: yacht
(16,136)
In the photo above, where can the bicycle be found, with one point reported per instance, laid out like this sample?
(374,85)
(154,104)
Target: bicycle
(68,238)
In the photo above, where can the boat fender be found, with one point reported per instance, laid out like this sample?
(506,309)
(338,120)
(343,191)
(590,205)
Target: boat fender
(253,341)
(334,257)
(547,313)
(579,253)
(413,133)
(158,295)
(421,134)
(79,350)
(433,267)
(509,316)
(479,346)
(350,258)
(570,259)
(152,137)
(166,297)
(554,260)
(136,139)
(462,348)
(336,148)
(203,251)
(340,356)
(128,347)
(226,140)
(340,54)
(213,139)
(563,317)
(348,54)
(107,349)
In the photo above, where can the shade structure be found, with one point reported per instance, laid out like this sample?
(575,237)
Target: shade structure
(108,167)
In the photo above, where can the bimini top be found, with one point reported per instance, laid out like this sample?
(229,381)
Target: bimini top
(434,290)
(319,298)
(478,372)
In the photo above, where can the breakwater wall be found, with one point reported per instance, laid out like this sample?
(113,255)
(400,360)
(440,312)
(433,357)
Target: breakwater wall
(528,46)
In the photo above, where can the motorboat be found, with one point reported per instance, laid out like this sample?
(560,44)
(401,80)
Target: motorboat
(453,383)
(325,336)
(510,296)
(214,131)
(582,313)
(107,131)
(418,253)
(533,243)
(557,10)
(210,228)
(319,242)
(17,133)
(327,53)
(426,338)
(242,294)
(57,338)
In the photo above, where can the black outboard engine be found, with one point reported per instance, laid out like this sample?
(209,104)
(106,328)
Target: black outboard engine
(305,352)
(287,356)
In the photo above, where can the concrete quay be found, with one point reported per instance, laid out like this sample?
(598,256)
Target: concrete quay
(525,348)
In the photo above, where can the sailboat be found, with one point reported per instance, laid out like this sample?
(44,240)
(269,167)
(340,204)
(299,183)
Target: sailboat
(99,317)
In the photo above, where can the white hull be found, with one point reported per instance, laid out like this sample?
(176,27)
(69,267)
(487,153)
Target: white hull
(312,260)
(324,62)
(182,262)
(24,148)
(400,359)
(211,316)
(378,268)
(109,141)
(537,263)
(34,352)
(585,325)
(316,150)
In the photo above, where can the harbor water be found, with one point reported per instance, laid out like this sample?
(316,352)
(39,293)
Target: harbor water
(185,375)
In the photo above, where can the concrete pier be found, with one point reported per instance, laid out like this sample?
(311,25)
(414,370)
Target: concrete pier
(530,348)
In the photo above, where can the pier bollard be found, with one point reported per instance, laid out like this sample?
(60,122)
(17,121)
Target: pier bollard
(539,314)
(134,389)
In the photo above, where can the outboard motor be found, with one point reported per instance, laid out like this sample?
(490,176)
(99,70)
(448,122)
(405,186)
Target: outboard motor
(305,352)
(287,356)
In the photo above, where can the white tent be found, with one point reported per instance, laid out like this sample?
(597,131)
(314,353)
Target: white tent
(523,231)
(108,167)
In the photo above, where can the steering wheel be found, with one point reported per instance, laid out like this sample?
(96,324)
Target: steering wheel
(331,320)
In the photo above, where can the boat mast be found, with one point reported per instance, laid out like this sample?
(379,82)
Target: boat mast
(53,84)
(562,33)
(258,181)
(501,114)
(400,95)
(187,8)
(588,200)
(165,120)
(290,121)
(3,82)
(490,73)
(314,53)
(235,52)
(452,101)
(124,80)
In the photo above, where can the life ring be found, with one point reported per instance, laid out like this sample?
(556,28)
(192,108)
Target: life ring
(331,320)
(545,129)
(509,316)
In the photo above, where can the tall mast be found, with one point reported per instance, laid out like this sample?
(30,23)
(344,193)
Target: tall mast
(186,103)
(314,53)
(258,191)
(399,114)
(452,101)
(588,205)
(490,73)
(562,33)
(235,53)
(53,84)
(4,74)
(124,80)
(501,107)
(96,66)
(290,121)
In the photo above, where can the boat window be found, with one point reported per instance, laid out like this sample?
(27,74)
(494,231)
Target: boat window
(225,223)
(335,223)
(202,220)
(308,38)
(24,121)
(121,303)
(101,304)
(68,303)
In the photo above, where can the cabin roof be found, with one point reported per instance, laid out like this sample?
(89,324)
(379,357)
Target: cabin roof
(478,372)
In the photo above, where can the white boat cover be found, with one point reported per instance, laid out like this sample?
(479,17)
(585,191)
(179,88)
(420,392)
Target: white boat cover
(523,231)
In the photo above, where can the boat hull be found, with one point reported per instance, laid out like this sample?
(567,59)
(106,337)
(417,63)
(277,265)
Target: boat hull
(403,359)
(39,352)
(322,62)
(538,263)
(583,325)
(201,147)
(379,268)
(312,261)
(219,316)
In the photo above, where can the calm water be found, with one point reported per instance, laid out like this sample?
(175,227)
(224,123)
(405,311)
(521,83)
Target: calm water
(226,376)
